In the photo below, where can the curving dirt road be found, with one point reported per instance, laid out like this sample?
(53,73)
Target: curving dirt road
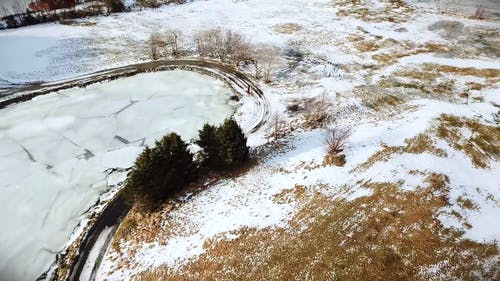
(239,83)
(105,225)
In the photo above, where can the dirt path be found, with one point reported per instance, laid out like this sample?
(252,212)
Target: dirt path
(239,83)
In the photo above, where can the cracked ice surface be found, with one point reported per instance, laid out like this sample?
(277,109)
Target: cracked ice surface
(54,151)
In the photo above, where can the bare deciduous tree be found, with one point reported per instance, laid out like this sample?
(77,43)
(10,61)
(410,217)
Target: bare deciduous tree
(173,40)
(224,45)
(156,43)
(276,128)
(265,62)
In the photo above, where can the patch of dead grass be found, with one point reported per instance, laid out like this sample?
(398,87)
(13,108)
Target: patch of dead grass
(464,71)
(391,234)
(290,195)
(394,11)
(481,146)
(287,28)
(416,145)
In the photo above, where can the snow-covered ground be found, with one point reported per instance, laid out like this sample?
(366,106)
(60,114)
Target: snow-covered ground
(352,52)
(56,151)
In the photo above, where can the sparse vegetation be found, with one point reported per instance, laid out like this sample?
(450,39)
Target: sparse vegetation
(316,110)
(173,42)
(156,3)
(481,146)
(276,128)
(479,13)
(335,139)
(390,234)
(156,45)
(265,62)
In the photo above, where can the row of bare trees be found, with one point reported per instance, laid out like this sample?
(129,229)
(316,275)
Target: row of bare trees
(219,44)
(224,45)
(166,44)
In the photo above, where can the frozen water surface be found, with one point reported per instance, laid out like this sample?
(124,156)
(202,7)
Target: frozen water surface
(55,149)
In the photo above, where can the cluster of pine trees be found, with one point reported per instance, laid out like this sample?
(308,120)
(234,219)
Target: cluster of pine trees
(167,167)
(223,147)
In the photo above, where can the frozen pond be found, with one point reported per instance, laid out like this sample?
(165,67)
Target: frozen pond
(55,149)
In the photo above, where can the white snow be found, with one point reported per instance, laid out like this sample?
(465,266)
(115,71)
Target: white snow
(246,201)
(56,148)
(93,256)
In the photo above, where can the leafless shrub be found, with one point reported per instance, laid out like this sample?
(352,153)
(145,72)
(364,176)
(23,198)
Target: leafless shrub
(335,139)
(265,62)
(156,44)
(316,110)
(479,13)
(224,45)
(173,42)
(276,129)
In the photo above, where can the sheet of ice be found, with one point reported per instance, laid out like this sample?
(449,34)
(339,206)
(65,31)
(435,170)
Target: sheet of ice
(54,151)
(44,52)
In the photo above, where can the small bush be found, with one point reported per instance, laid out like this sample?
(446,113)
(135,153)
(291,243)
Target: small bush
(160,171)
(335,139)
(156,44)
(224,147)
(173,39)
(276,128)
(115,6)
(479,13)
(337,160)
(316,110)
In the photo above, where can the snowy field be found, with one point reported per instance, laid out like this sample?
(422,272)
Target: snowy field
(389,72)
(57,151)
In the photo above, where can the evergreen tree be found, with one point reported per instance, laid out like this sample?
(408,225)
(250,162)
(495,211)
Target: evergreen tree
(232,149)
(208,142)
(160,171)
(224,147)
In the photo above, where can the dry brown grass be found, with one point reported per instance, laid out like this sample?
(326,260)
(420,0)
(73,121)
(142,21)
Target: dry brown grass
(394,11)
(290,195)
(483,145)
(416,145)
(378,102)
(334,159)
(365,45)
(464,71)
(287,28)
(421,83)
(394,50)
(475,86)
(391,234)
(378,99)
